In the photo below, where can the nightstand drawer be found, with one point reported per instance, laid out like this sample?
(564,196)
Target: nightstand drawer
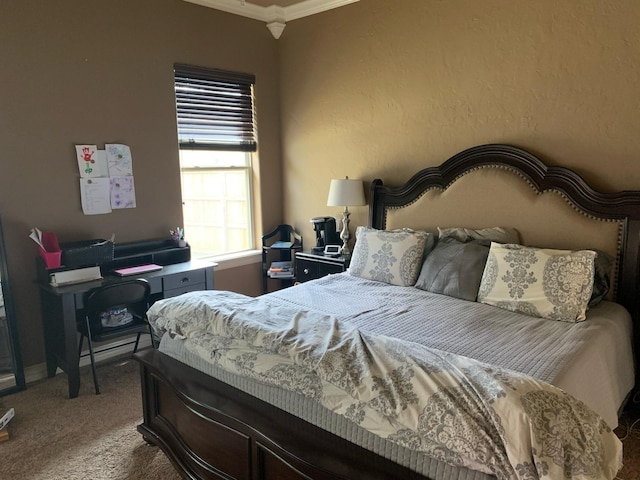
(184,280)
(306,270)
(328,268)
(310,266)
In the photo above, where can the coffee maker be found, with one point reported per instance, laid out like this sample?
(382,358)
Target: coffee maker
(326,233)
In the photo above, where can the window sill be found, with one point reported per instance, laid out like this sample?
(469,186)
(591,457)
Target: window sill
(237,259)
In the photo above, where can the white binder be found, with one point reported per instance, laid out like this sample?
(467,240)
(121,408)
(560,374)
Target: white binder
(79,275)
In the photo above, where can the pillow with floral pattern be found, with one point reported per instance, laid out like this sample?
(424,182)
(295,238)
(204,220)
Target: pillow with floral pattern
(389,256)
(553,284)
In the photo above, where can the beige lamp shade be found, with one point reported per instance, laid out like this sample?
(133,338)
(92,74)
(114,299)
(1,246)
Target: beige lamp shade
(346,193)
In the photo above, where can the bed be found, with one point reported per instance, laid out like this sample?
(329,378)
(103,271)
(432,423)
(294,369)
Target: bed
(213,395)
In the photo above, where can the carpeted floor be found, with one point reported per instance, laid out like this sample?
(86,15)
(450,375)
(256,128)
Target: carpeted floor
(94,437)
(629,431)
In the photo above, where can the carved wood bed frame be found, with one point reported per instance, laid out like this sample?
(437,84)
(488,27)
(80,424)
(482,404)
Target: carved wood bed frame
(209,429)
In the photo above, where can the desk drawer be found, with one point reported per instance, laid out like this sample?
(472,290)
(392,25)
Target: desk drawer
(183,280)
(174,292)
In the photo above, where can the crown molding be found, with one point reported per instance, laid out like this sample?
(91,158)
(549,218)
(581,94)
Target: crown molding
(234,6)
(274,16)
(311,7)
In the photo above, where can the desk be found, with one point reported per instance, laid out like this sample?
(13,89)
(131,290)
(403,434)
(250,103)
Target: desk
(60,307)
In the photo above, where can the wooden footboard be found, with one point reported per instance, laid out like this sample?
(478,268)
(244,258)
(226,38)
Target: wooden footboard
(210,430)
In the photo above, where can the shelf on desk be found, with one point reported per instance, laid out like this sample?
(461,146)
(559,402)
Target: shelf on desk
(161,252)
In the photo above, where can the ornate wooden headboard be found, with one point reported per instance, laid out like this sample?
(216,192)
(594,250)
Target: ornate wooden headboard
(616,213)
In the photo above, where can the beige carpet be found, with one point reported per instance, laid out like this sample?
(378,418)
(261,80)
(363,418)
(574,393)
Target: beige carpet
(94,437)
(91,437)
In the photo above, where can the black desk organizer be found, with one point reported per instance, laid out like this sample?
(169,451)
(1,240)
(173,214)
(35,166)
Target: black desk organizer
(161,252)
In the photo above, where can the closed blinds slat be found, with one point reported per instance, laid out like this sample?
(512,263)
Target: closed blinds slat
(214,109)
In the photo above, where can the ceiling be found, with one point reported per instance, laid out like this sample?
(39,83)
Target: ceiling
(275,13)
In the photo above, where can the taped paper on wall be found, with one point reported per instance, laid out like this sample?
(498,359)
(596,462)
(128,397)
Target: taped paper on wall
(119,160)
(106,178)
(92,162)
(123,192)
(95,195)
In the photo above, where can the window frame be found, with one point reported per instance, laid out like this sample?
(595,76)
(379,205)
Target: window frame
(215,111)
(248,179)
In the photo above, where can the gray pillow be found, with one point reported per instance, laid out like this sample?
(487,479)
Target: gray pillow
(454,268)
(481,235)
(601,278)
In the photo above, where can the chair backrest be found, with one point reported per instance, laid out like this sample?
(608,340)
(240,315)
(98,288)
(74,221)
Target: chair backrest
(133,294)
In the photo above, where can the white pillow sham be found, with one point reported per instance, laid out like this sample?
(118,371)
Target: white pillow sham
(553,284)
(389,256)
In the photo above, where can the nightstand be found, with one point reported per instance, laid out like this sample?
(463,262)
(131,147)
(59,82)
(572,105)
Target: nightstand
(279,245)
(310,266)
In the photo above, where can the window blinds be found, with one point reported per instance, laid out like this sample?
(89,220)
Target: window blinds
(215,109)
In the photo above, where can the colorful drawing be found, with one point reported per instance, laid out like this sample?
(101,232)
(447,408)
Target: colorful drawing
(106,178)
(119,160)
(86,159)
(123,192)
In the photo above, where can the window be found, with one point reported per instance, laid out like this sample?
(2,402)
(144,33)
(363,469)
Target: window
(216,135)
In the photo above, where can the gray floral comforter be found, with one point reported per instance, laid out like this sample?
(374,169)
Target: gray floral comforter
(453,408)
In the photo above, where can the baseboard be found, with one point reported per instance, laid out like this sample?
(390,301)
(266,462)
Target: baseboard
(120,348)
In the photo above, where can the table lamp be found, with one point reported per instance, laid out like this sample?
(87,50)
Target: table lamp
(345,192)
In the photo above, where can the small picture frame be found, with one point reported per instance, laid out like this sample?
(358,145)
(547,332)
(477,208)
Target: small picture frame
(332,250)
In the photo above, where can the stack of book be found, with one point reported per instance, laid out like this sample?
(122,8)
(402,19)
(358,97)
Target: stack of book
(282,244)
(281,270)
(4,433)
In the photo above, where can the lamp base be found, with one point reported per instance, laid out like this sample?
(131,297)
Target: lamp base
(344,234)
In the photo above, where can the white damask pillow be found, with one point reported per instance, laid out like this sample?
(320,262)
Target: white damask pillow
(389,256)
(553,284)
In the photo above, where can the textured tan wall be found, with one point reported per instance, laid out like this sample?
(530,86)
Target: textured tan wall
(382,89)
(246,279)
(372,89)
(101,72)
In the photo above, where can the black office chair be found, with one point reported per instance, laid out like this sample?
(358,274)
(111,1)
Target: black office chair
(132,295)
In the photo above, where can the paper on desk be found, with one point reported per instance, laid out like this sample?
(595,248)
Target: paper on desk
(95,195)
(36,236)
